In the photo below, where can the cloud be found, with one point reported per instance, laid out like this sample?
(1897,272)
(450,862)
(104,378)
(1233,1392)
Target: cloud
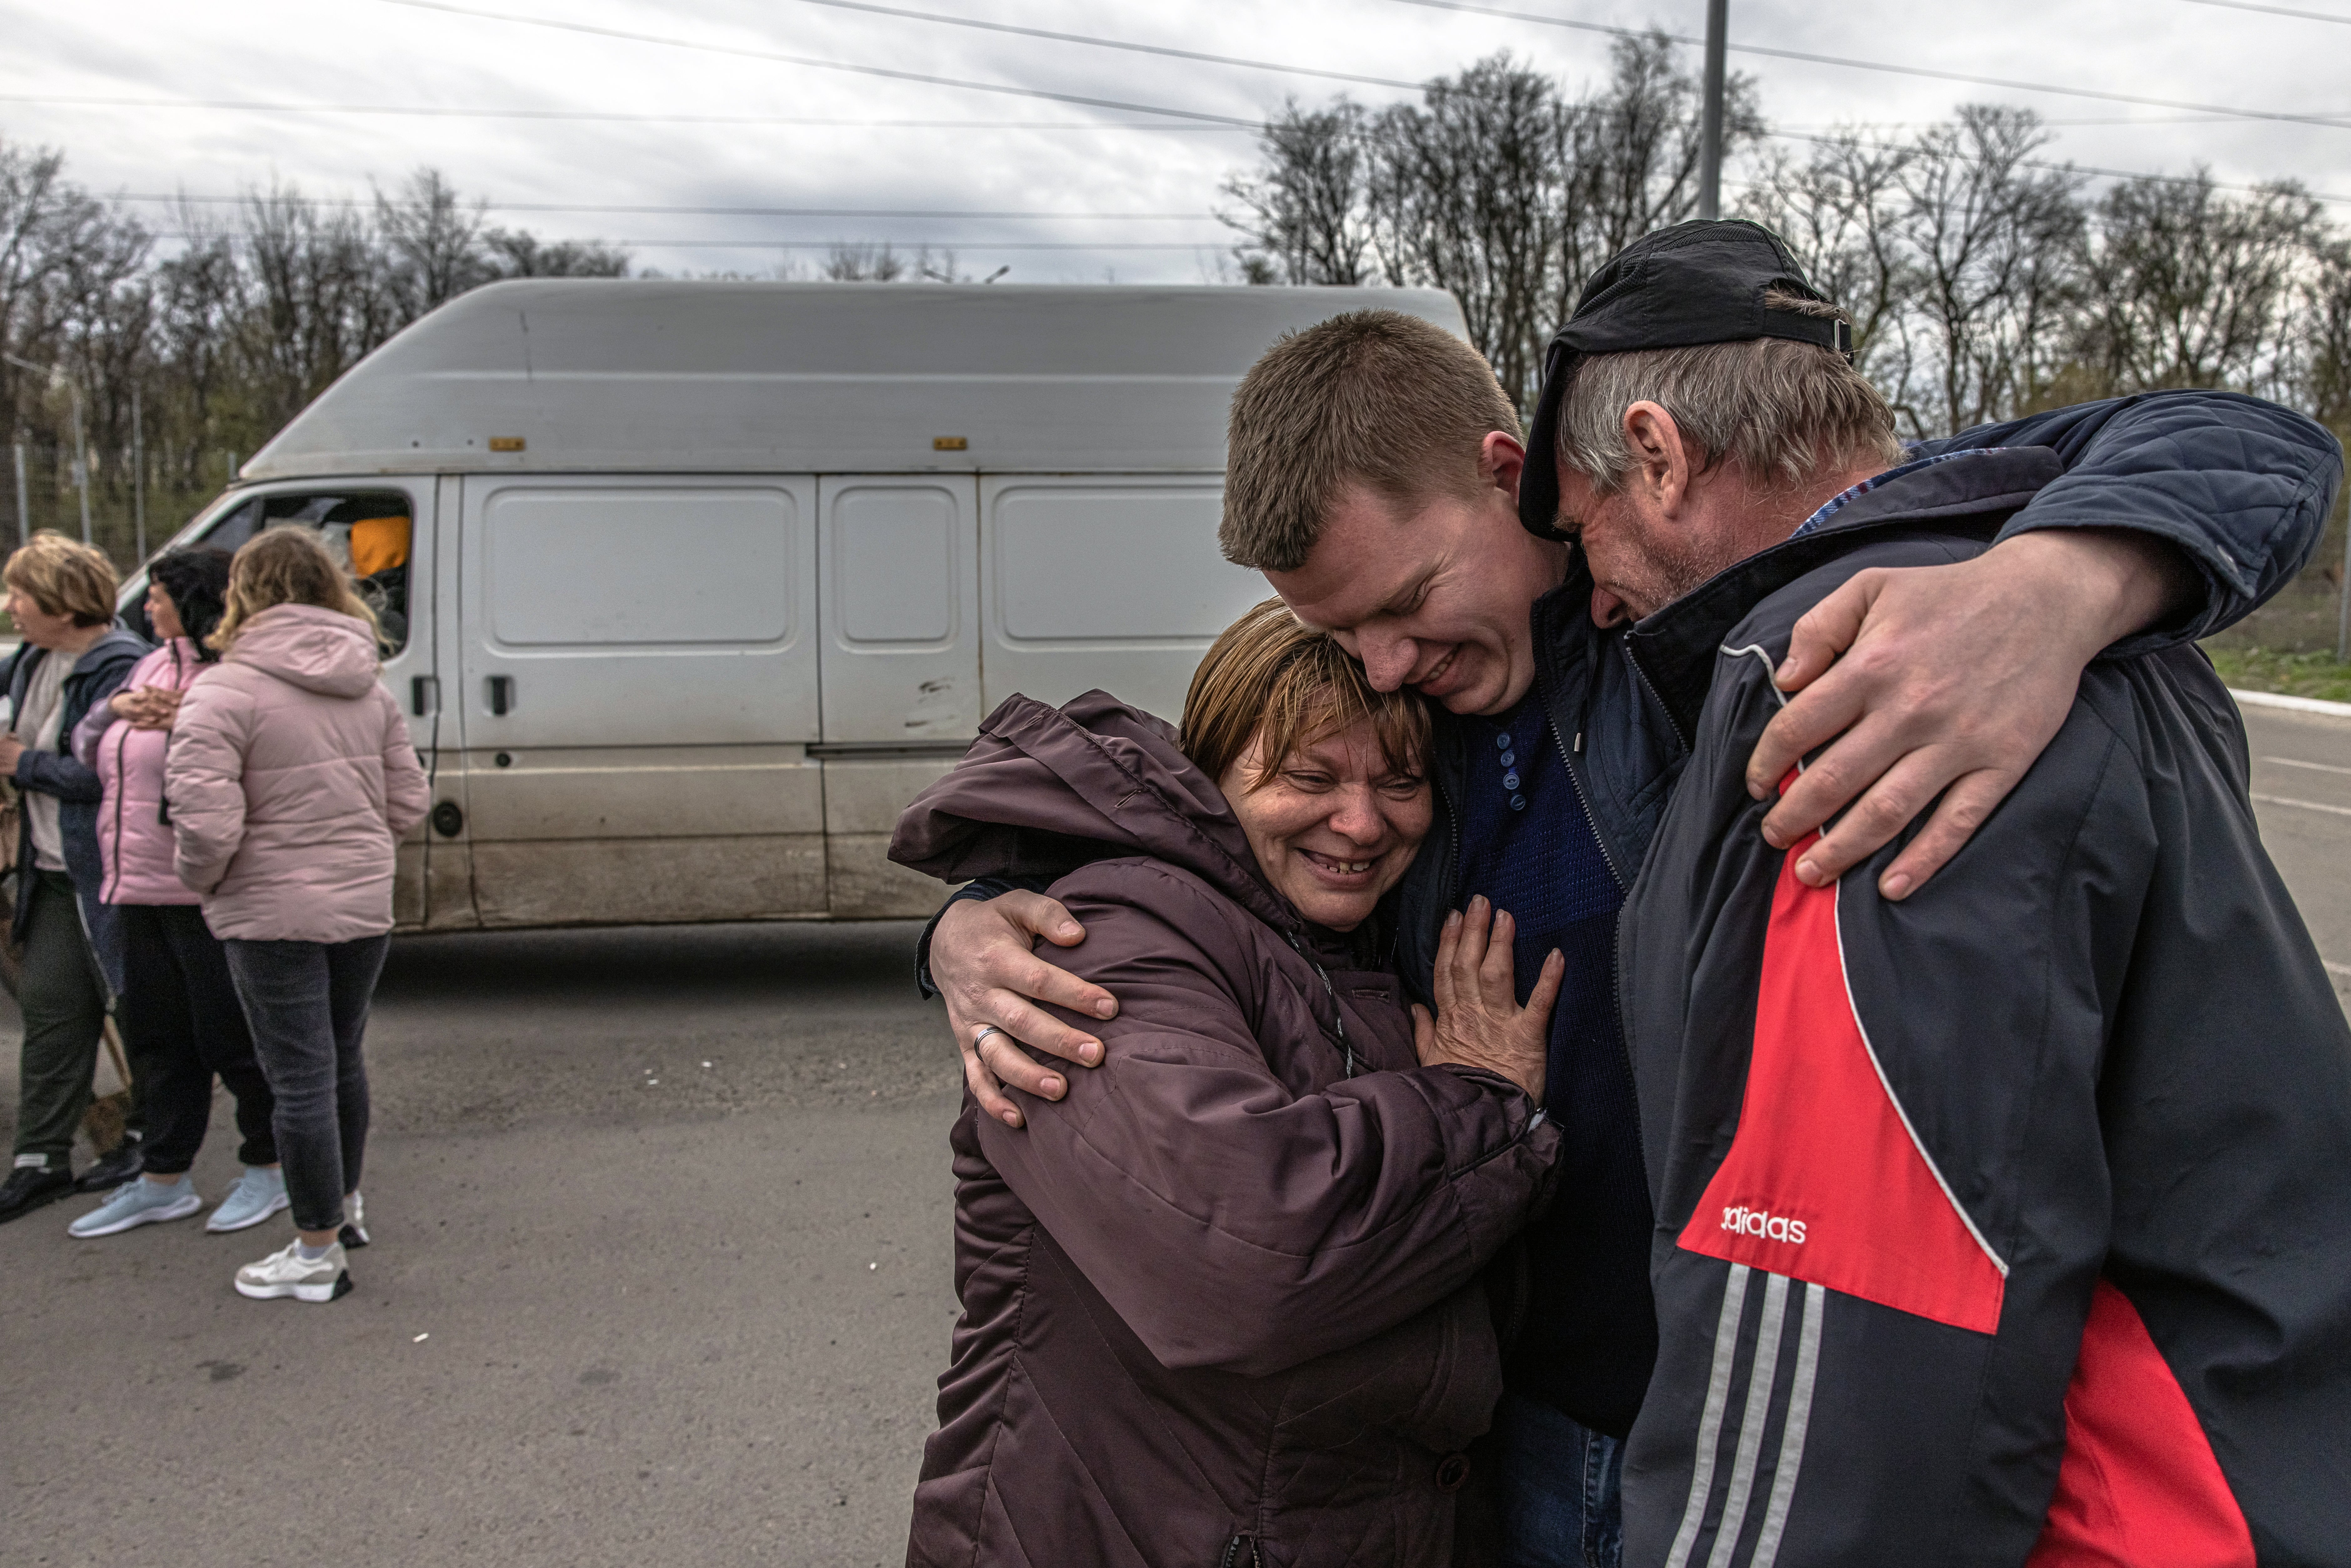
(367,52)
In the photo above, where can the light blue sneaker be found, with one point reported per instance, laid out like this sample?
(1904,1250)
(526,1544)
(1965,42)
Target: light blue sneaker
(138,1202)
(258,1194)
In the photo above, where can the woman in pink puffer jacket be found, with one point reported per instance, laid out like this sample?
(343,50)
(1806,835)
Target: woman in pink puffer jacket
(291,777)
(182,1021)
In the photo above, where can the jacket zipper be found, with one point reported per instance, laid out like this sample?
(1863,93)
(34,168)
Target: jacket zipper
(121,746)
(1338,1031)
(1616,932)
(1233,1558)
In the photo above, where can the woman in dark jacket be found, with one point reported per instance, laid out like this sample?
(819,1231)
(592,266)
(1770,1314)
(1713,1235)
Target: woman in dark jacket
(61,598)
(1219,1304)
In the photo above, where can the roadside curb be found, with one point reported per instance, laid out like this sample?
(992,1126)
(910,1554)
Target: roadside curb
(2299,705)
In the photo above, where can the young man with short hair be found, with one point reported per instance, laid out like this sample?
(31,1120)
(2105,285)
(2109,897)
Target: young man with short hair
(1377,483)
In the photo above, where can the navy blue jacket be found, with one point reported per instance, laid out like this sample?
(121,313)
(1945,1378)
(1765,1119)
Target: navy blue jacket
(104,665)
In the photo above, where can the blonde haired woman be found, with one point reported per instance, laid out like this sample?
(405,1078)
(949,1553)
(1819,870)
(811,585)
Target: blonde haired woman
(73,658)
(290,778)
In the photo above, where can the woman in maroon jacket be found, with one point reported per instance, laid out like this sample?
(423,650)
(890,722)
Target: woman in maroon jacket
(1219,1304)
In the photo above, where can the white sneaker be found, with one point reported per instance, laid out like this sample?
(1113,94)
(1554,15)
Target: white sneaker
(353,1234)
(284,1273)
(138,1202)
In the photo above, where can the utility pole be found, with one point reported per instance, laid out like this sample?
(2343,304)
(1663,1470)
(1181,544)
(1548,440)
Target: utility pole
(24,515)
(82,463)
(1709,165)
(138,475)
(2342,611)
(81,450)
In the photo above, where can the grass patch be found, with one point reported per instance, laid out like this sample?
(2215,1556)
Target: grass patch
(2293,675)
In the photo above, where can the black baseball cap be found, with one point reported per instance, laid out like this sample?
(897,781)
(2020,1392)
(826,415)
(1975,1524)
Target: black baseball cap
(1698,282)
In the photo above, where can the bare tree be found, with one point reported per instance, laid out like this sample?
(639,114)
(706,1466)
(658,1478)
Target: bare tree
(1304,212)
(1634,152)
(518,253)
(1994,240)
(2186,286)
(433,241)
(1466,195)
(1496,186)
(1840,209)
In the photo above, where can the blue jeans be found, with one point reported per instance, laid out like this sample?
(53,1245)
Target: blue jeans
(1560,1492)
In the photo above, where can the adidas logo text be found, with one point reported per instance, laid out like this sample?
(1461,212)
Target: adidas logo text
(1756,1222)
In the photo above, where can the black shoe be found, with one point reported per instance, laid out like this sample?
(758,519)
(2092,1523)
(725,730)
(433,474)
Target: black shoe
(112,1170)
(27,1188)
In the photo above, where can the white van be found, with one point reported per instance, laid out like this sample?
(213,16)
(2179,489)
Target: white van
(702,582)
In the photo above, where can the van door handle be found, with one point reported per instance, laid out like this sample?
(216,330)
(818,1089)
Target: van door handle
(423,695)
(501,694)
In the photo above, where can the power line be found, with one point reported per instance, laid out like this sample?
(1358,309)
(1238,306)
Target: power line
(693,212)
(815,64)
(892,244)
(2333,123)
(2273,10)
(1111,44)
(437,112)
(2053,167)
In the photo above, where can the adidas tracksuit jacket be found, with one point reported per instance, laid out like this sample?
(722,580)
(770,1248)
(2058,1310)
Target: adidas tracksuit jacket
(2011,1223)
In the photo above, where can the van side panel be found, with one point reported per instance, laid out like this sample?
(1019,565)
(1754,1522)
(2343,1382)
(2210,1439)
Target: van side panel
(637,695)
(862,797)
(1103,580)
(898,558)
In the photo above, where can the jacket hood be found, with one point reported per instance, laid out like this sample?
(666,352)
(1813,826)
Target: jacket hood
(119,646)
(322,651)
(1044,790)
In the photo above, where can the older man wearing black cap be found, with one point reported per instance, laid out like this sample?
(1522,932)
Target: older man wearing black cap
(1381,486)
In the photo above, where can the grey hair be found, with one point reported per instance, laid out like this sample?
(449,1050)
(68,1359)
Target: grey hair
(1778,409)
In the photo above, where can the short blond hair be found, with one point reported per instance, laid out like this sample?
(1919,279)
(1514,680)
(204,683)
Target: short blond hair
(64,576)
(1375,398)
(1273,679)
(286,565)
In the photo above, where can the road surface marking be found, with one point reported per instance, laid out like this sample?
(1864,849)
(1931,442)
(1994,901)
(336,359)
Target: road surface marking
(2303,805)
(2313,767)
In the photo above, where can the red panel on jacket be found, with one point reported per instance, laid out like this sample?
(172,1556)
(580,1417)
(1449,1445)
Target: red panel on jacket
(1824,1181)
(2139,1487)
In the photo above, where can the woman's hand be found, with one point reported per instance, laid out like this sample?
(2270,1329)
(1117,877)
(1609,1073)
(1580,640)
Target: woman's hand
(11,748)
(124,705)
(151,707)
(1478,1022)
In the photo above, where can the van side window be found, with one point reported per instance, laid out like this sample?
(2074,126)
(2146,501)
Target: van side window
(369,532)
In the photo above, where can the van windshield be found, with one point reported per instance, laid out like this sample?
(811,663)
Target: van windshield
(368,533)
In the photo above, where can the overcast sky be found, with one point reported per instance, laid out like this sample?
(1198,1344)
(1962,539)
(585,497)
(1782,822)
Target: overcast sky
(1143,186)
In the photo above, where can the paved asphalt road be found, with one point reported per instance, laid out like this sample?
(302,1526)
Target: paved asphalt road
(669,1211)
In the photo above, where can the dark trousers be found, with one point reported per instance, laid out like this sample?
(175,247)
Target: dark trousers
(1560,1489)
(183,1026)
(63,1000)
(308,1005)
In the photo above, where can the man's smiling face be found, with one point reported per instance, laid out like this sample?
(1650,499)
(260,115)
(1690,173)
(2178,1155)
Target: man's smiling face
(1434,593)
